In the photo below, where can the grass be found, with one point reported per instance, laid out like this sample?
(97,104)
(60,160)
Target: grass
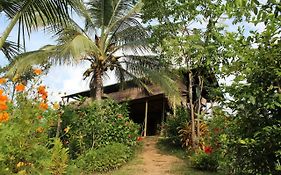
(130,167)
(165,147)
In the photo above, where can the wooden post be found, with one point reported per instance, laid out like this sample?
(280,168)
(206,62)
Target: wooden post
(162,117)
(145,118)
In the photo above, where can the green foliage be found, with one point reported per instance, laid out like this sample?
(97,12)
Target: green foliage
(59,158)
(203,161)
(174,123)
(253,136)
(97,125)
(105,158)
(24,138)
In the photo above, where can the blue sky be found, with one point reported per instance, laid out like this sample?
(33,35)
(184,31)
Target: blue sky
(64,79)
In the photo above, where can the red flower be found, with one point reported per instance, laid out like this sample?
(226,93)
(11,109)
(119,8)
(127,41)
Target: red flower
(216,130)
(208,150)
(139,139)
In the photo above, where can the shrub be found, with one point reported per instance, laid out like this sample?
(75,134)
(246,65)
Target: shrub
(59,159)
(205,160)
(98,125)
(24,122)
(105,158)
(174,123)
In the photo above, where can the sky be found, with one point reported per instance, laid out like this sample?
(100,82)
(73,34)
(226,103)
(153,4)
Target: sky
(67,79)
(61,79)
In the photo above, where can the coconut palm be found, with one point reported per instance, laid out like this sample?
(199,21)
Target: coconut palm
(29,14)
(113,39)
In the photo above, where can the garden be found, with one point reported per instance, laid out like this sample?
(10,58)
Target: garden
(224,119)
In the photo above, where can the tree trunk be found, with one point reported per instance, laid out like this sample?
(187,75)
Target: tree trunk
(96,85)
(9,28)
(199,106)
(190,96)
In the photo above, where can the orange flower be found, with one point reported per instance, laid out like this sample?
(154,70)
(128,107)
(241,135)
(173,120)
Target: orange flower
(41,89)
(40,129)
(3,80)
(37,71)
(3,106)
(39,117)
(3,98)
(1,91)
(43,106)
(4,117)
(44,97)
(20,87)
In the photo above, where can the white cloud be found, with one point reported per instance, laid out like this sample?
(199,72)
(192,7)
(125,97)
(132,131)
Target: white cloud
(66,79)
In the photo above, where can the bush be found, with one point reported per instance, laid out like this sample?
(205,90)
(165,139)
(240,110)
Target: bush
(98,125)
(24,122)
(205,160)
(174,123)
(105,158)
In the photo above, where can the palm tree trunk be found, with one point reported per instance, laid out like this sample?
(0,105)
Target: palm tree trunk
(9,28)
(96,85)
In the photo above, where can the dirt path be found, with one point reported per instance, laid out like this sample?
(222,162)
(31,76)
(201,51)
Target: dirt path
(154,162)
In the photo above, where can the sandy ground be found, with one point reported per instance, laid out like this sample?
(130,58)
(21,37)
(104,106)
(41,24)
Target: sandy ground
(153,162)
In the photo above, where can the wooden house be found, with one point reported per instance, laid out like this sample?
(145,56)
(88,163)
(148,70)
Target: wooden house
(147,109)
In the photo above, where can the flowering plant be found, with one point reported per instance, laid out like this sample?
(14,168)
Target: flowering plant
(24,122)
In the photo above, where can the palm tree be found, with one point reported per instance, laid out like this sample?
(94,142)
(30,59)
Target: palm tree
(111,26)
(31,14)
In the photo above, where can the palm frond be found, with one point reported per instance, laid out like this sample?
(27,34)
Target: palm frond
(75,45)
(25,61)
(101,11)
(121,75)
(104,12)
(129,32)
(139,64)
(30,14)
(10,50)
(136,79)
(154,71)
(9,7)
(169,86)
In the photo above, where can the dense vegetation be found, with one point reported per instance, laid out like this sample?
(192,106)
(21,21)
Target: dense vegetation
(236,39)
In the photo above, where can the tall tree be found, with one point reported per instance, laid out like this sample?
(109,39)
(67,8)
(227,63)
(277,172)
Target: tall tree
(189,35)
(113,39)
(254,136)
